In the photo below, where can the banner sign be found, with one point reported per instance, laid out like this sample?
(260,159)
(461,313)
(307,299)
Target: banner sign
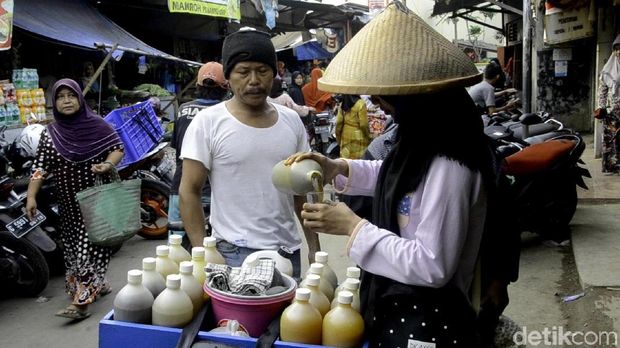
(6,24)
(567,25)
(214,8)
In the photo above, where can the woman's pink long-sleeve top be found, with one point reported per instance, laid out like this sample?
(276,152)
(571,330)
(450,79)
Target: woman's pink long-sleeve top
(441,226)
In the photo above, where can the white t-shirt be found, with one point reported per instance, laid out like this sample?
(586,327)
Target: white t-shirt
(246,208)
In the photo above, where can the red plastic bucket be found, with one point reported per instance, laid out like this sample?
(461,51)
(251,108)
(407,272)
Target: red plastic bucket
(253,312)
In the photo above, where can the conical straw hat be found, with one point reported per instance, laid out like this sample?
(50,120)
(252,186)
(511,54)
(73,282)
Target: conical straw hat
(398,53)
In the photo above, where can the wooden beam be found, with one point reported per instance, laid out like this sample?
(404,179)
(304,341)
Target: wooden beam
(99,70)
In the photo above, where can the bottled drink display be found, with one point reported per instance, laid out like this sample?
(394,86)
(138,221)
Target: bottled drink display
(317,297)
(177,253)
(172,308)
(211,253)
(343,326)
(190,285)
(301,322)
(322,257)
(134,302)
(151,279)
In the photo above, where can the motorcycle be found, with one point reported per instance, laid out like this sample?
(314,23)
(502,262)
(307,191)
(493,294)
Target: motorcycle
(323,139)
(541,163)
(25,245)
(156,170)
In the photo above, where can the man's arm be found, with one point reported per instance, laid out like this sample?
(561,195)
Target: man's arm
(312,238)
(190,200)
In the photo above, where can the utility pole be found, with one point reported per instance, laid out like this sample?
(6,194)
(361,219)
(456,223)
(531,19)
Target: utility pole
(526,78)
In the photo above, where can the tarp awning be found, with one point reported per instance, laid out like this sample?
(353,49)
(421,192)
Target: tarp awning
(77,23)
(311,50)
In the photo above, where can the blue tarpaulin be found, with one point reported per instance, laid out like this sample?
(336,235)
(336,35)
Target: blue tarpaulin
(311,50)
(77,23)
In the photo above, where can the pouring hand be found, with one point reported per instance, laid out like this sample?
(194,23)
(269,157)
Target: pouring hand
(336,219)
(331,168)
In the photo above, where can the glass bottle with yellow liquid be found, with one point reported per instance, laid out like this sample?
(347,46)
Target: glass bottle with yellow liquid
(343,326)
(301,322)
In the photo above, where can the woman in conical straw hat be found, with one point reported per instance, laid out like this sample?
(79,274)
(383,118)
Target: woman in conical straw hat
(430,193)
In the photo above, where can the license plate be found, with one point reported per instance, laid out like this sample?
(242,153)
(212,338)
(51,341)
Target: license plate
(22,225)
(321,129)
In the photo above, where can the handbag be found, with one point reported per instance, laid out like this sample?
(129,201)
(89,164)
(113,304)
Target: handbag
(111,212)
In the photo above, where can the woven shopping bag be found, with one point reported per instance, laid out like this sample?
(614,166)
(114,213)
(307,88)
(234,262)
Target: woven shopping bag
(111,212)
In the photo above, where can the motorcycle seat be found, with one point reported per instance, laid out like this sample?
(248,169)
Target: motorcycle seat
(538,157)
(535,129)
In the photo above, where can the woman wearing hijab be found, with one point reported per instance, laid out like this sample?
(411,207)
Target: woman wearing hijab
(74,149)
(294,89)
(352,130)
(609,96)
(430,193)
(313,96)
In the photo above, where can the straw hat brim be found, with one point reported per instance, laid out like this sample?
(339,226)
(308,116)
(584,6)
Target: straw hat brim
(349,87)
(398,53)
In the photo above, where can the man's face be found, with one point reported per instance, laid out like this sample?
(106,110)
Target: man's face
(251,82)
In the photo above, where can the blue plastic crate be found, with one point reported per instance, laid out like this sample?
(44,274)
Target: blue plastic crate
(113,334)
(138,128)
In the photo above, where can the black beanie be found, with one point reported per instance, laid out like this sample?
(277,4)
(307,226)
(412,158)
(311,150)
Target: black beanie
(248,46)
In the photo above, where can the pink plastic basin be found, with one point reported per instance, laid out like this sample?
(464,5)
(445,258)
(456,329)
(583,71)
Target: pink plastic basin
(253,312)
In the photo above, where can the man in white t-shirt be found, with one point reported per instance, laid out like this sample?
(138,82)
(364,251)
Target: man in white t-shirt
(236,144)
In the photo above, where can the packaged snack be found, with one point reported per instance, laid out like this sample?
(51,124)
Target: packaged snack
(38,96)
(25,114)
(2,100)
(9,93)
(2,115)
(24,98)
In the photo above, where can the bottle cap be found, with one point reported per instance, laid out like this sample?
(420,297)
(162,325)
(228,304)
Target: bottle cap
(351,284)
(302,294)
(316,268)
(345,297)
(148,263)
(353,272)
(175,239)
(162,250)
(173,281)
(198,252)
(134,276)
(186,267)
(251,260)
(321,256)
(285,252)
(313,279)
(209,242)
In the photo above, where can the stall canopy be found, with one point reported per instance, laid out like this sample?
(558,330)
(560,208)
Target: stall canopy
(464,9)
(76,23)
(311,50)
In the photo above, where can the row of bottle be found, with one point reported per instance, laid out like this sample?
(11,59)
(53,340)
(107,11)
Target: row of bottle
(175,300)
(311,319)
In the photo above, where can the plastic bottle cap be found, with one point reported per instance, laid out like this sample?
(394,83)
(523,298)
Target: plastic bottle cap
(162,250)
(316,268)
(351,284)
(198,252)
(353,272)
(302,294)
(134,276)
(186,267)
(345,297)
(251,260)
(209,242)
(148,263)
(175,239)
(173,281)
(321,256)
(313,279)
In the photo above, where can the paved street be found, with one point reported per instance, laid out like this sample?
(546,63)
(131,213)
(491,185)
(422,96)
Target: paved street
(547,274)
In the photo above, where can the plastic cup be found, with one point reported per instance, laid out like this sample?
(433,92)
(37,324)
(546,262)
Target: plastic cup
(328,197)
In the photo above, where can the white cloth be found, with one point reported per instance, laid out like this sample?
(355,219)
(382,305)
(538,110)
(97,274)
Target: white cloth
(441,226)
(246,209)
(610,75)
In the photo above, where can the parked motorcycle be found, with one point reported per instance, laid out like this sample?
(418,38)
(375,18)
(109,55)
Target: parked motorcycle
(155,169)
(541,160)
(323,139)
(24,244)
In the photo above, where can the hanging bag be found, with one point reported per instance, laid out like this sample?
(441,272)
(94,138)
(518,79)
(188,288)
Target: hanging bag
(111,212)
